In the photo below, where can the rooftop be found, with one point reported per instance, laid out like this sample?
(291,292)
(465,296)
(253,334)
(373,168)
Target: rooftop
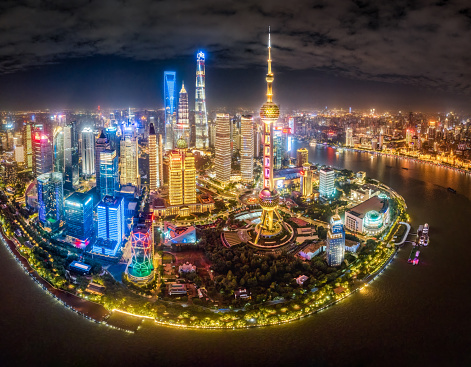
(374,203)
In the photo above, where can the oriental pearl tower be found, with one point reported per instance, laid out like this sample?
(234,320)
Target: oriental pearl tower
(268,197)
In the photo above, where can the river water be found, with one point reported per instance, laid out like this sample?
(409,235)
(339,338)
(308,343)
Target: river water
(410,315)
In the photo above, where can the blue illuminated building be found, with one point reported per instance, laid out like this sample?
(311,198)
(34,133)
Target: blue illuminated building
(78,213)
(110,213)
(335,242)
(113,138)
(71,156)
(170,100)
(108,183)
(50,199)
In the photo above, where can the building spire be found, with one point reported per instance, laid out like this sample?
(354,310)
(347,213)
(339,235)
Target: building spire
(270,77)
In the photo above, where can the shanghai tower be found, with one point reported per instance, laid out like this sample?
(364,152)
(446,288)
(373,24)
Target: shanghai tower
(201,117)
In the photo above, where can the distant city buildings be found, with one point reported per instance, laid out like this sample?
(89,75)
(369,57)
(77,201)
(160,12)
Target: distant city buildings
(335,242)
(223,157)
(326,182)
(349,137)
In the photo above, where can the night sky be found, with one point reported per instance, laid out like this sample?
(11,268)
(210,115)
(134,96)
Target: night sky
(411,55)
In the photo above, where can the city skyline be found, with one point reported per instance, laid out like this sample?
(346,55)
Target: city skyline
(373,55)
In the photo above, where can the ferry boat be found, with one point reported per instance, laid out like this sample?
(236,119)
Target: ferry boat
(452,190)
(413,254)
(405,168)
(425,234)
(313,143)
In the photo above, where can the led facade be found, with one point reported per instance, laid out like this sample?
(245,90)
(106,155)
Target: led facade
(326,182)
(108,183)
(78,213)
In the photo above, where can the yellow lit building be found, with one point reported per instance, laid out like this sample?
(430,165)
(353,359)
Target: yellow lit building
(302,156)
(182,175)
(223,148)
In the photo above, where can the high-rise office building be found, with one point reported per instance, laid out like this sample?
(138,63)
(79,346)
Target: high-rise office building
(110,214)
(306,180)
(223,157)
(28,145)
(183,120)
(71,157)
(335,242)
(101,144)
(50,199)
(278,150)
(201,117)
(59,157)
(155,159)
(326,182)
(108,184)
(246,149)
(88,152)
(129,157)
(268,197)
(182,175)
(349,137)
(111,133)
(78,214)
(170,100)
(43,154)
(302,157)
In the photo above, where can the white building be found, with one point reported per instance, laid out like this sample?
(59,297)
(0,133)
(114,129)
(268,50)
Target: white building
(326,182)
(370,217)
(88,152)
(223,148)
(246,149)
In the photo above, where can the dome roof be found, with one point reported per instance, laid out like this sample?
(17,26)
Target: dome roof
(269,110)
(181,144)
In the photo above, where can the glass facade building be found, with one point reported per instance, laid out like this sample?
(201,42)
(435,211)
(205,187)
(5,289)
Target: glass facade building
(43,154)
(88,152)
(59,163)
(71,157)
(109,173)
(335,242)
(246,149)
(326,182)
(110,214)
(78,213)
(223,158)
(201,117)
(50,199)
(170,100)
(100,145)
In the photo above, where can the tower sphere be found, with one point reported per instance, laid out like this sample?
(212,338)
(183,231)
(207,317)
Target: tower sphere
(181,143)
(269,111)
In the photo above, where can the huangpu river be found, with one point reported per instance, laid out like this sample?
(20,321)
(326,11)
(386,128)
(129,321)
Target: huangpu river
(409,316)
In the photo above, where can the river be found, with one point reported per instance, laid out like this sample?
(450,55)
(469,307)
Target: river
(410,315)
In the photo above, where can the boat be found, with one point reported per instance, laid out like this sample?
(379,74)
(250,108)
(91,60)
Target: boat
(413,253)
(405,168)
(313,142)
(425,230)
(452,190)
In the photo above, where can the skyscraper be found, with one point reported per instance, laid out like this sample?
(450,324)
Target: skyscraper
(111,133)
(108,183)
(223,148)
(182,175)
(78,213)
(155,159)
(246,149)
(28,145)
(59,163)
(50,199)
(201,117)
(88,152)
(306,180)
(302,157)
(129,157)
(326,182)
(268,197)
(100,145)
(110,213)
(71,157)
(43,154)
(335,241)
(183,121)
(349,137)
(170,80)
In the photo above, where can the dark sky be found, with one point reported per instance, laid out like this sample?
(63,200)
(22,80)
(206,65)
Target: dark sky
(411,55)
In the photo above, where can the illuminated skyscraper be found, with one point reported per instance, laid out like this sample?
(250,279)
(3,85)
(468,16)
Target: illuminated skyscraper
(302,157)
(155,159)
(78,214)
(71,157)
(326,182)
(43,154)
(28,145)
(108,183)
(50,199)
(183,121)
(246,149)
(110,214)
(306,180)
(129,157)
(268,197)
(113,138)
(201,117)
(59,163)
(101,144)
(88,152)
(223,148)
(182,175)
(349,137)
(335,242)
(170,100)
